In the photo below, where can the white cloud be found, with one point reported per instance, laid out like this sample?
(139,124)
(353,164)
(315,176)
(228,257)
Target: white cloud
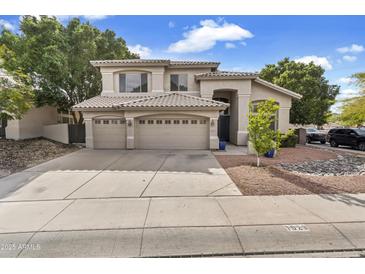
(354,48)
(243,43)
(205,36)
(171,24)
(346,80)
(142,51)
(94,17)
(317,60)
(349,58)
(229,45)
(65,18)
(347,93)
(6,25)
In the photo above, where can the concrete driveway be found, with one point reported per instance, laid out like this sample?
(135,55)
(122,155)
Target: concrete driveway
(106,203)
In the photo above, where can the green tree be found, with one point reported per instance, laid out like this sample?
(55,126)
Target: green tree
(262,137)
(57,58)
(353,110)
(309,81)
(16,96)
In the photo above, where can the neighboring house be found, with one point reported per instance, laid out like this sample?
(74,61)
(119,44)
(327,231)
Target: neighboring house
(163,104)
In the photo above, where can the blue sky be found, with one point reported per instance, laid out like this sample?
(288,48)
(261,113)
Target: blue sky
(243,43)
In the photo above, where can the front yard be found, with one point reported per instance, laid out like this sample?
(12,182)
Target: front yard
(18,155)
(299,170)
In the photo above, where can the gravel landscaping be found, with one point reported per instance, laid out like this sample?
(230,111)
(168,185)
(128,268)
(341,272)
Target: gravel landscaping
(300,170)
(18,155)
(342,165)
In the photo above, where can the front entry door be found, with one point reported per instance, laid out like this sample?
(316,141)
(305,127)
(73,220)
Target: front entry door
(223,128)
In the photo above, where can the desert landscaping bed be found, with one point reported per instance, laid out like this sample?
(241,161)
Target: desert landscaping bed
(300,170)
(18,155)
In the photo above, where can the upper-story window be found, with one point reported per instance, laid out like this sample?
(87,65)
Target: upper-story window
(133,82)
(179,82)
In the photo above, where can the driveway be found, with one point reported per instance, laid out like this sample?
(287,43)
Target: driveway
(107,203)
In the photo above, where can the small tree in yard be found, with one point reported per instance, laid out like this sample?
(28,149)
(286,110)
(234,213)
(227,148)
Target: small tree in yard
(262,137)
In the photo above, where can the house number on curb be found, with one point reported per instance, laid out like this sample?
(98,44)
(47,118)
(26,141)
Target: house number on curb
(297,228)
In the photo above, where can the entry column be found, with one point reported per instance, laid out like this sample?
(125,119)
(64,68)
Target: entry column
(130,133)
(213,133)
(89,137)
(243,111)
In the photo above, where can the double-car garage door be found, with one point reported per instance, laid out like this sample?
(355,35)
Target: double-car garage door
(160,132)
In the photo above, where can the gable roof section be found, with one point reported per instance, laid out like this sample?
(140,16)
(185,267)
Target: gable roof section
(173,100)
(278,88)
(168,100)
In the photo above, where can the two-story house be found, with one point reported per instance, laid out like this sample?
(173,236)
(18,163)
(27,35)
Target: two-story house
(163,104)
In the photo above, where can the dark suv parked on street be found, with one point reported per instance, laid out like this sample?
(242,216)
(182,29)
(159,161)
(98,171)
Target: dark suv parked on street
(315,135)
(353,137)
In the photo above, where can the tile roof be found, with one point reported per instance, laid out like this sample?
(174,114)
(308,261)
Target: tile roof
(226,75)
(177,63)
(102,102)
(164,62)
(173,100)
(168,100)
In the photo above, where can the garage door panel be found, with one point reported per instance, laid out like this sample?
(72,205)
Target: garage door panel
(110,135)
(172,136)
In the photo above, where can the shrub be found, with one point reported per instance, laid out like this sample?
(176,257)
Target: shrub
(290,139)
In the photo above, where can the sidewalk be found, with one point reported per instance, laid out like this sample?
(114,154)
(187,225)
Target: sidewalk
(184,226)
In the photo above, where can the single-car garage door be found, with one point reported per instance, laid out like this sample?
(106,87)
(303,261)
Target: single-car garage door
(109,133)
(172,133)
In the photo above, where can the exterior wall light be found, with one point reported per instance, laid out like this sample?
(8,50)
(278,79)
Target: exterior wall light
(129,123)
(212,123)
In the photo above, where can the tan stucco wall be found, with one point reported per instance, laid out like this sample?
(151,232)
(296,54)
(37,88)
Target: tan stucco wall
(261,92)
(158,78)
(193,86)
(57,132)
(31,125)
(110,79)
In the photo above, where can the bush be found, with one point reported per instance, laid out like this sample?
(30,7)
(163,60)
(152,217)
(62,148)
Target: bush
(290,139)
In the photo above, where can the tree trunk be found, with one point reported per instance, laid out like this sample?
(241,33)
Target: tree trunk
(258,161)
(81,119)
(77,121)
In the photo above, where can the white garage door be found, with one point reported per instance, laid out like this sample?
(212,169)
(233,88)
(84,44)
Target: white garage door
(109,133)
(172,133)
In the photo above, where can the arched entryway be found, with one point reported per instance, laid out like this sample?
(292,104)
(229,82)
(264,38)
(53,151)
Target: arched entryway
(224,120)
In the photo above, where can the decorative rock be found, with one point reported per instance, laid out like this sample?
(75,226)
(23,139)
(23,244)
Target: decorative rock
(347,165)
